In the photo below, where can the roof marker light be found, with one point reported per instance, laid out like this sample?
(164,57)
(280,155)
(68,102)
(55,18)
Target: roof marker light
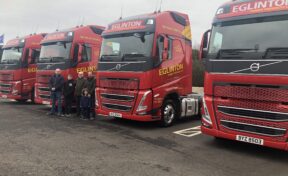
(220,11)
(150,21)
(70,34)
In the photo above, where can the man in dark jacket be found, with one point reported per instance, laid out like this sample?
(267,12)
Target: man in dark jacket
(80,84)
(69,88)
(56,86)
(91,85)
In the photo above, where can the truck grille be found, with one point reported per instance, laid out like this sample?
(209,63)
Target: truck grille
(117,107)
(5,91)
(255,129)
(6,77)
(254,114)
(117,97)
(4,85)
(43,78)
(44,89)
(45,96)
(119,83)
(255,109)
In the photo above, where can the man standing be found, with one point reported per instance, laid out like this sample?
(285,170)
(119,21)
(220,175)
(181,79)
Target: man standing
(68,90)
(81,83)
(91,85)
(56,85)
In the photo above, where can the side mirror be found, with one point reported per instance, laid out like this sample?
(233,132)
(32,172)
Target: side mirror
(165,49)
(80,50)
(204,45)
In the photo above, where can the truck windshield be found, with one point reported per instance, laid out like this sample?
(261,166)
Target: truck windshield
(133,46)
(11,56)
(55,52)
(256,35)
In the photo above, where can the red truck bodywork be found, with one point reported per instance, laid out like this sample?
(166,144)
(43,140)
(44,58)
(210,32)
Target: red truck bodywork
(17,79)
(246,95)
(80,49)
(136,86)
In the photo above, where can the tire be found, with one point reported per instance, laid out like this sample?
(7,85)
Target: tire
(168,113)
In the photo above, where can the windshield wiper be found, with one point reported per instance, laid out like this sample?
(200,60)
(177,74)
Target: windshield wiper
(280,52)
(57,59)
(234,52)
(132,56)
(44,60)
(107,57)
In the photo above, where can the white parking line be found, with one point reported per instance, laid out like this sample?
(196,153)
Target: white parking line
(189,132)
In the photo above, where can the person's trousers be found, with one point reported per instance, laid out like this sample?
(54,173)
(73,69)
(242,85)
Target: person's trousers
(68,104)
(92,110)
(86,112)
(56,97)
(78,108)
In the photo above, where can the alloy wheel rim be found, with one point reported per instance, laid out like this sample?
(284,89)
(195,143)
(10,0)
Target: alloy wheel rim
(169,113)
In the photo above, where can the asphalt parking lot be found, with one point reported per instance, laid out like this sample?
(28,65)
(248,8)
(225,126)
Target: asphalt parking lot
(31,143)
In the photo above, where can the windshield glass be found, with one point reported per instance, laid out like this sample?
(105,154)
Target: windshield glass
(11,55)
(127,46)
(256,35)
(55,52)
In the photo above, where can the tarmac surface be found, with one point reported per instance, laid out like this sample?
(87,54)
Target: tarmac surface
(32,143)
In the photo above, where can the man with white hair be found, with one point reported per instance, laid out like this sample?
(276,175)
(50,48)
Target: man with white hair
(80,84)
(56,86)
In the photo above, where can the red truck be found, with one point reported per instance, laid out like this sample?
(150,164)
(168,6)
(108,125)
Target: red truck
(246,84)
(73,50)
(18,67)
(145,69)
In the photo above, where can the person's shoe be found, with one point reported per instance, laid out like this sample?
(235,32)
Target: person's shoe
(60,115)
(92,118)
(68,115)
(50,113)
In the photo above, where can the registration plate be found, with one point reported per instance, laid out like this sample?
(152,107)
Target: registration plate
(250,140)
(114,114)
(46,102)
(4,96)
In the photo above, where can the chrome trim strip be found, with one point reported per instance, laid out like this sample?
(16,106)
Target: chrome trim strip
(130,107)
(272,112)
(254,60)
(132,97)
(118,95)
(249,74)
(3,84)
(122,62)
(280,129)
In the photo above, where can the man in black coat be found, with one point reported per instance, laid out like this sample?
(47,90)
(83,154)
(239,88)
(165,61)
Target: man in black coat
(56,86)
(68,91)
(91,85)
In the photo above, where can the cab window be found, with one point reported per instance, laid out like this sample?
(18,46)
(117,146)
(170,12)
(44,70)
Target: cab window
(35,56)
(86,54)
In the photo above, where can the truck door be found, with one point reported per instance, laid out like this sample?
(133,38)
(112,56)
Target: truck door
(83,52)
(172,56)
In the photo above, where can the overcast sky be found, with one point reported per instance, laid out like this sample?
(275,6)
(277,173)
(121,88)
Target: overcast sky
(21,17)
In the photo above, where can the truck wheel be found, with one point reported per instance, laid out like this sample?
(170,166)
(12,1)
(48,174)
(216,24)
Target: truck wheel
(168,113)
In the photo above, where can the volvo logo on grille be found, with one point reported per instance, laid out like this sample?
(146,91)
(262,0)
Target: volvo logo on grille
(255,67)
(118,67)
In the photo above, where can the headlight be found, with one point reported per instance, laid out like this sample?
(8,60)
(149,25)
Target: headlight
(142,106)
(206,115)
(16,87)
(96,99)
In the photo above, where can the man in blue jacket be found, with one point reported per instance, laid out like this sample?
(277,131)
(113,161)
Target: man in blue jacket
(56,86)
